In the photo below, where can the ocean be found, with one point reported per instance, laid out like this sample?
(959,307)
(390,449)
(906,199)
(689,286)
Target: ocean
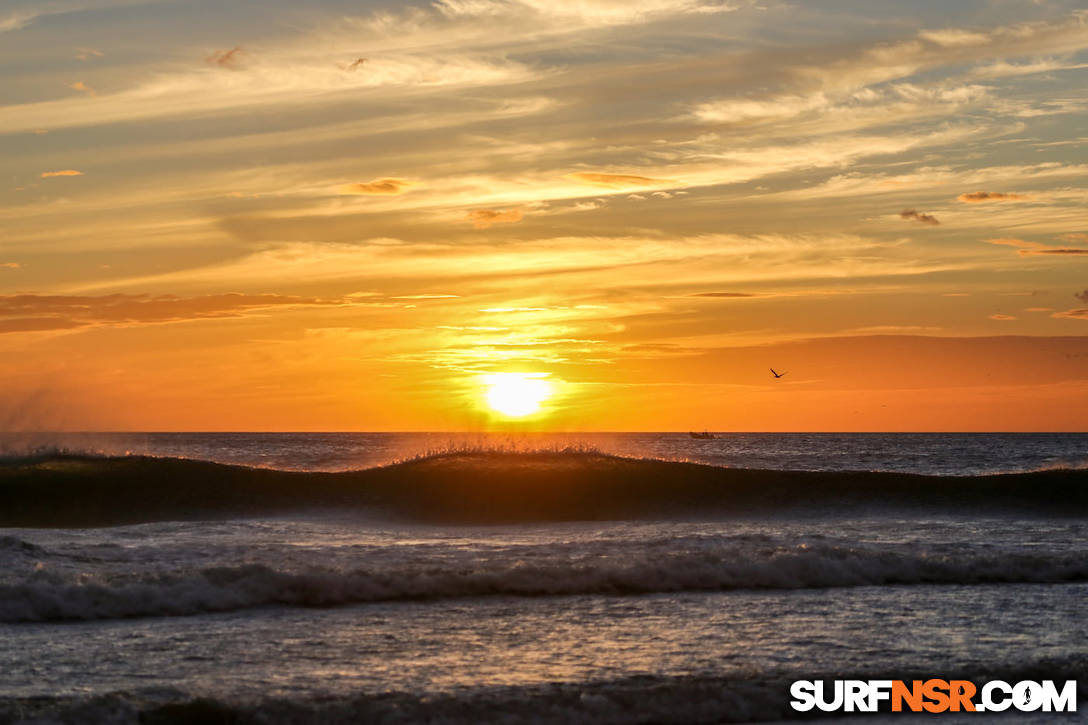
(595,578)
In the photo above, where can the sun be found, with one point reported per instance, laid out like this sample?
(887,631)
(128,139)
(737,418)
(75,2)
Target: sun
(517,395)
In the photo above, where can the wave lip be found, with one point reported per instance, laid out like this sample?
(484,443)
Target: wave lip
(44,597)
(489,487)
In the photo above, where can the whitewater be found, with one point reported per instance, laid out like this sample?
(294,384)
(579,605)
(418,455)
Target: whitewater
(343,578)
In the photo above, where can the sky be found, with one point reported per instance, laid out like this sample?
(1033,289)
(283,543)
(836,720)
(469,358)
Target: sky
(333,215)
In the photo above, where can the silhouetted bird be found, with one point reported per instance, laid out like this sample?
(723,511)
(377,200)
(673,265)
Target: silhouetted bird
(777,375)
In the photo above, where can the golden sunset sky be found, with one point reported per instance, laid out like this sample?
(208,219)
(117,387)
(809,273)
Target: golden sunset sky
(351,215)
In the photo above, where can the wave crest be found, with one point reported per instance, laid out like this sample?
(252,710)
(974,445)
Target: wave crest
(499,487)
(246,586)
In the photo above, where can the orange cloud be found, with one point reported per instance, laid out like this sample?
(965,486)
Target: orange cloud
(999,316)
(10,265)
(1011,242)
(1027,249)
(425,297)
(978,197)
(722,295)
(38,324)
(28,313)
(919,217)
(378,187)
(82,88)
(88,53)
(62,172)
(616,181)
(226,58)
(483,218)
(1081,314)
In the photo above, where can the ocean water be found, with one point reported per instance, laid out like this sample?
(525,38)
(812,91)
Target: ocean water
(345,614)
(943,454)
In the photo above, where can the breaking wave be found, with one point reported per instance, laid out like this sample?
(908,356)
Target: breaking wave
(15,545)
(43,596)
(487,487)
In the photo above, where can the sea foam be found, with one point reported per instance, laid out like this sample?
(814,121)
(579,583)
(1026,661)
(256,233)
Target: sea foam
(41,594)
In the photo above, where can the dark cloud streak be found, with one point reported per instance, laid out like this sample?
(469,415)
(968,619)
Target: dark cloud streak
(979,197)
(226,58)
(919,217)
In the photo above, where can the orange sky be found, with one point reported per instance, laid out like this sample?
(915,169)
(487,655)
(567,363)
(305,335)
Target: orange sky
(347,216)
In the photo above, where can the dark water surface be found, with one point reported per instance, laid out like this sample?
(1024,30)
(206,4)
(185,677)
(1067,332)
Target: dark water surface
(928,453)
(344,617)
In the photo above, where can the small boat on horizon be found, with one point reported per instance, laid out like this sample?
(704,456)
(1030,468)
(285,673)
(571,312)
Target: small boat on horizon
(704,436)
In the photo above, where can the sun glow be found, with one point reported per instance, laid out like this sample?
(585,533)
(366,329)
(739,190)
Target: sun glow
(517,394)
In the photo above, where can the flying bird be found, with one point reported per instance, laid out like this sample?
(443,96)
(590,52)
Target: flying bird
(777,375)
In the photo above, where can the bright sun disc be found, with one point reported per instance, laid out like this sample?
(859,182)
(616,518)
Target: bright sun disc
(517,394)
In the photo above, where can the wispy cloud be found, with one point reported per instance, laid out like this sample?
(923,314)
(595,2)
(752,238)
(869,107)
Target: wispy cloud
(1003,69)
(10,265)
(617,181)
(82,88)
(872,85)
(683,262)
(935,178)
(954,37)
(918,216)
(17,20)
(226,58)
(587,13)
(723,295)
(979,197)
(387,186)
(1080,314)
(1002,317)
(22,313)
(283,78)
(62,172)
(424,297)
(38,324)
(483,218)
(1027,249)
